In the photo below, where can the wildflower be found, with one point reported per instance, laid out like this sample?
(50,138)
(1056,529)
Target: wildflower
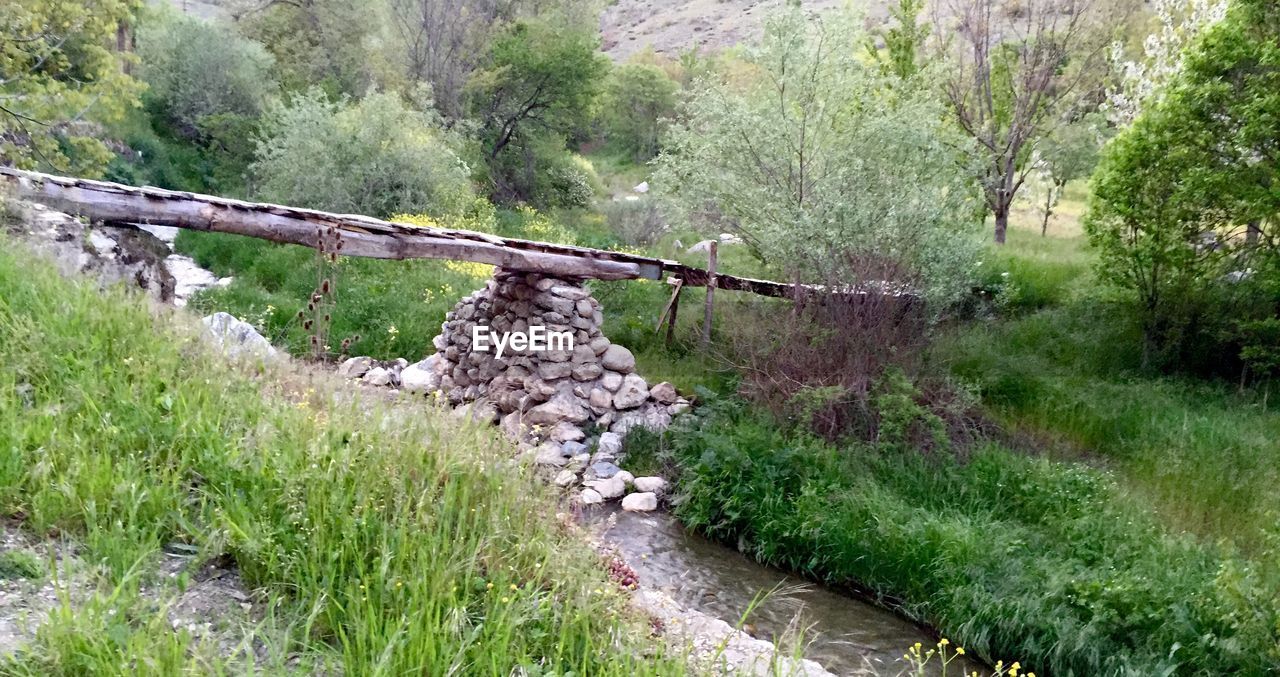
(944,641)
(959,651)
(505,600)
(513,587)
(488,586)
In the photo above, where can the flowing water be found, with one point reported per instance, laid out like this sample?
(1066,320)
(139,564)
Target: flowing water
(846,635)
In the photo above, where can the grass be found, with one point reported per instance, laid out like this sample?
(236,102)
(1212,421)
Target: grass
(388,539)
(20,564)
(1013,557)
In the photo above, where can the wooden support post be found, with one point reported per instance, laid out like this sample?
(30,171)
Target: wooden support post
(671,310)
(711,291)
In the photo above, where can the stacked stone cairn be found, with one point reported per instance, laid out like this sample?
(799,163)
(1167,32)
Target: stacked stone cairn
(567,409)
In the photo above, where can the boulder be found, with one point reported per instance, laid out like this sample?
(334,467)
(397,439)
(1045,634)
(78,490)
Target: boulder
(354,367)
(653,485)
(549,453)
(419,377)
(664,393)
(565,478)
(610,443)
(238,338)
(608,489)
(567,432)
(604,469)
(573,448)
(619,359)
(626,477)
(377,376)
(611,381)
(643,501)
(562,407)
(633,392)
(590,497)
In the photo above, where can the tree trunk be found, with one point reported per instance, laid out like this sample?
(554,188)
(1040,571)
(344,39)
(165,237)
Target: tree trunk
(1252,235)
(1002,223)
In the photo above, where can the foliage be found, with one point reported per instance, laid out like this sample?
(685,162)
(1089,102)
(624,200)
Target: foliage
(1011,78)
(780,159)
(539,87)
(1007,555)
(200,74)
(1142,82)
(373,555)
(638,100)
(330,44)
(1068,153)
(904,43)
(60,78)
(636,222)
(1186,195)
(375,156)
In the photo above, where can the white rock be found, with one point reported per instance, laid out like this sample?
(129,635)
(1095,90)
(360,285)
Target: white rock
(591,497)
(633,393)
(377,377)
(567,432)
(610,488)
(642,187)
(618,358)
(664,393)
(549,453)
(626,477)
(566,478)
(610,443)
(355,367)
(419,378)
(238,338)
(653,485)
(611,381)
(640,502)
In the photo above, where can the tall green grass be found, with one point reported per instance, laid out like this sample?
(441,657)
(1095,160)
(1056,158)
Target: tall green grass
(391,539)
(1013,557)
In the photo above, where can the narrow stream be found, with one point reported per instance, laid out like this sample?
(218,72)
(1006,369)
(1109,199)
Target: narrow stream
(188,276)
(846,635)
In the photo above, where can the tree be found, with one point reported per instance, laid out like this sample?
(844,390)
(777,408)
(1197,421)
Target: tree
(60,78)
(904,42)
(1069,153)
(822,169)
(638,100)
(1013,74)
(196,70)
(1174,191)
(376,156)
(541,83)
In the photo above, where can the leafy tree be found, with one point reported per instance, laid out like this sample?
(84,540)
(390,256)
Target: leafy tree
(638,100)
(904,42)
(332,44)
(1174,192)
(60,77)
(376,156)
(825,175)
(196,70)
(541,84)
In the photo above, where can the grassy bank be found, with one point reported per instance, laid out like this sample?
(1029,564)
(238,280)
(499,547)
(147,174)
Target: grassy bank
(388,540)
(1014,557)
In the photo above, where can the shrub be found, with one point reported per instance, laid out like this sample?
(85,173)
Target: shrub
(637,223)
(375,156)
(638,99)
(195,70)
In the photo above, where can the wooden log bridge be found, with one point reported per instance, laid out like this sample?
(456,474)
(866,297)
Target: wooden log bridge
(362,235)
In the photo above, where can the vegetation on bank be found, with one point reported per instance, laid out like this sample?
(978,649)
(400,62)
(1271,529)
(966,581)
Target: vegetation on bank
(386,541)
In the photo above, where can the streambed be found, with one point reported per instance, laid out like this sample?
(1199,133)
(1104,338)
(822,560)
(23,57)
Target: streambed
(847,636)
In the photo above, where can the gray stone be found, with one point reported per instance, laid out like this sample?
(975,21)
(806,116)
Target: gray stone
(550,371)
(355,367)
(611,381)
(600,398)
(549,453)
(420,377)
(619,359)
(567,432)
(678,408)
(237,338)
(569,292)
(610,443)
(377,377)
(573,448)
(640,502)
(664,393)
(584,308)
(649,417)
(590,497)
(633,393)
(599,344)
(605,469)
(610,488)
(565,478)
(587,372)
(653,485)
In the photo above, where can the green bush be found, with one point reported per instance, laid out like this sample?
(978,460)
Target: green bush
(375,156)
(195,70)
(638,99)
(1008,555)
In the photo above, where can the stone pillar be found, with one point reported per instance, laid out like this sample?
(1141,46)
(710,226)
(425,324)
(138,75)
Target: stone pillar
(560,394)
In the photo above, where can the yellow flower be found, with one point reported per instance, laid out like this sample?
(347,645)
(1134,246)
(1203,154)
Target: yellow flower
(488,586)
(944,641)
(960,651)
(505,600)
(513,587)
